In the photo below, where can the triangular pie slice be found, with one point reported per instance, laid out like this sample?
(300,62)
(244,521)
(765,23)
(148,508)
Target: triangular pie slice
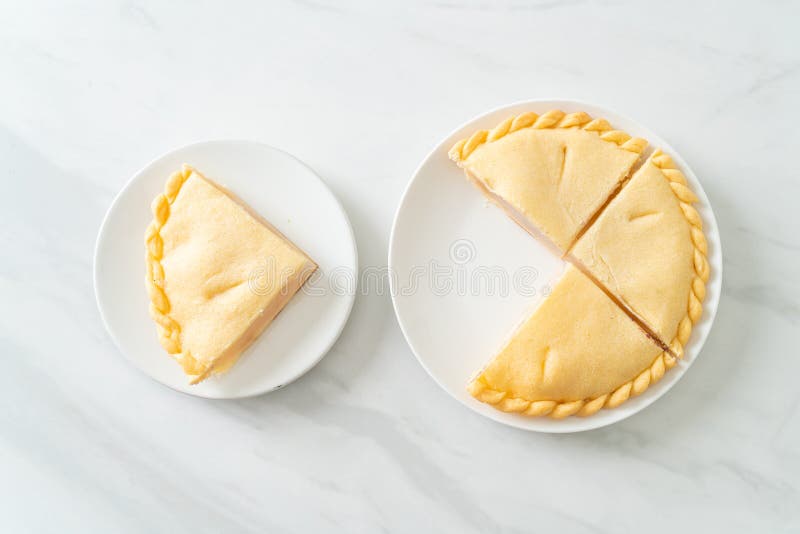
(550,173)
(217,273)
(576,353)
(648,250)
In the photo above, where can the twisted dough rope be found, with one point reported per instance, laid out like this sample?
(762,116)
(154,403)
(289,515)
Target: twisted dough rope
(664,361)
(583,408)
(677,181)
(552,119)
(168,329)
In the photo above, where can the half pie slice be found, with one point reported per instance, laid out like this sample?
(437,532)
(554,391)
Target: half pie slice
(550,173)
(648,249)
(576,353)
(217,273)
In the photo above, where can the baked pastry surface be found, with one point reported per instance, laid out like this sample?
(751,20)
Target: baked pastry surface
(217,273)
(647,248)
(550,172)
(577,352)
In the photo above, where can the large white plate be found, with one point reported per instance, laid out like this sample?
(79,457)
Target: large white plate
(444,225)
(295,200)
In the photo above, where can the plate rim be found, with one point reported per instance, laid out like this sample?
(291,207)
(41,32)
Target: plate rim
(136,176)
(524,423)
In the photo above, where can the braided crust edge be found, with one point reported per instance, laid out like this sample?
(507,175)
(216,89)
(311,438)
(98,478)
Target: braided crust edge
(679,185)
(168,328)
(551,119)
(583,408)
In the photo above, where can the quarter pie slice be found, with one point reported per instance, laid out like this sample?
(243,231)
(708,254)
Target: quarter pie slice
(648,249)
(550,173)
(576,353)
(217,273)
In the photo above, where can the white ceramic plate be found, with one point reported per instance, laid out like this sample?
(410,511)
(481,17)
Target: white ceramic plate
(445,225)
(289,195)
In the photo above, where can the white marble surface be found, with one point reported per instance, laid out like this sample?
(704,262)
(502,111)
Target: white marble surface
(366,442)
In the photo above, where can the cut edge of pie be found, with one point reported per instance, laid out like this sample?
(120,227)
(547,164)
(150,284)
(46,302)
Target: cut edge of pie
(168,328)
(702,270)
(514,214)
(553,119)
(700,267)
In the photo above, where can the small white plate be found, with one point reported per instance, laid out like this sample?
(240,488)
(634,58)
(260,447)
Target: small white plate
(291,197)
(445,225)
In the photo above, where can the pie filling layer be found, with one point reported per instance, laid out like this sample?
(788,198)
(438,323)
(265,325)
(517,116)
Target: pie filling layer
(513,213)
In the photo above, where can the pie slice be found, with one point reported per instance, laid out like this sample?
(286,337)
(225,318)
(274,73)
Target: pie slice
(550,173)
(217,273)
(576,353)
(648,250)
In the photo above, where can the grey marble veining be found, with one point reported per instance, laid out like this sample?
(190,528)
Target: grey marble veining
(366,442)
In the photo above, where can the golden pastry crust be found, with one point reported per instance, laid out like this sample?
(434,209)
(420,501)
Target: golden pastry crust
(551,173)
(168,329)
(205,252)
(582,408)
(702,270)
(575,354)
(551,119)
